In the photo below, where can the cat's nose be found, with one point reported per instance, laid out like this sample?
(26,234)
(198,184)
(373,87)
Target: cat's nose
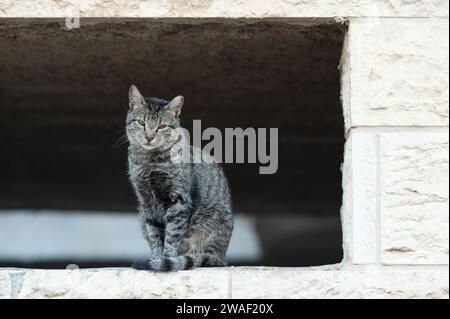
(149,136)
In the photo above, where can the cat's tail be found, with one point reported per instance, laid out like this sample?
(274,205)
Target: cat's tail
(182,262)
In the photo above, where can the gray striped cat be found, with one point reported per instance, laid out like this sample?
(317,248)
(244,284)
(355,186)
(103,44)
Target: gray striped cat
(185,208)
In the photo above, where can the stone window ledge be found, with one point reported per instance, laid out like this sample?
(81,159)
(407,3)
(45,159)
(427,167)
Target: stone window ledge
(332,281)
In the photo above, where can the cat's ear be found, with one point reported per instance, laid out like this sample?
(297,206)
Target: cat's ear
(135,97)
(175,105)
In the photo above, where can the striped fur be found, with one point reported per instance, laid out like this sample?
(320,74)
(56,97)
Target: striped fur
(183,262)
(185,209)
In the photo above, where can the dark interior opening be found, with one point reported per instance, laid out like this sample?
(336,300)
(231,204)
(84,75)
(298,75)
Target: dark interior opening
(63,99)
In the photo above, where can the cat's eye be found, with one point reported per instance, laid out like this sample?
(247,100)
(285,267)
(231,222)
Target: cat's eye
(162,126)
(141,122)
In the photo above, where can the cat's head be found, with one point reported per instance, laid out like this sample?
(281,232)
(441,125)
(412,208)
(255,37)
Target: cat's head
(151,122)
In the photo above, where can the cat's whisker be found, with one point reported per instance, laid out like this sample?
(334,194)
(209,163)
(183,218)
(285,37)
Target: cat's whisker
(120,141)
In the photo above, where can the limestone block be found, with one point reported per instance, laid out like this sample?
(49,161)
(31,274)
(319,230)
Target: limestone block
(399,73)
(310,283)
(414,198)
(124,283)
(5,288)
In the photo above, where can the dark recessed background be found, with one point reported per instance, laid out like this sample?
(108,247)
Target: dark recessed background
(63,99)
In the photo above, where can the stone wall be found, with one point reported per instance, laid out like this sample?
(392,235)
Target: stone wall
(395,96)
(395,173)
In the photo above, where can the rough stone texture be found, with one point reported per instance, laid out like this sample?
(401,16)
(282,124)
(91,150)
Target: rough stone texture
(415,198)
(223,8)
(345,81)
(359,212)
(346,208)
(124,283)
(5,287)
(243,282)
(399,72)
(396,180)
(370,283)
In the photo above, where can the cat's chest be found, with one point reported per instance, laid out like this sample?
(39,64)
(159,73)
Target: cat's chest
(154,184)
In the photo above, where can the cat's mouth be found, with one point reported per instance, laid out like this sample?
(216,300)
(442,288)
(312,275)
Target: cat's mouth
(153,145)
(150,145)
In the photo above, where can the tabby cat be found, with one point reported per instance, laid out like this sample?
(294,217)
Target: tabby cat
(185,208)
